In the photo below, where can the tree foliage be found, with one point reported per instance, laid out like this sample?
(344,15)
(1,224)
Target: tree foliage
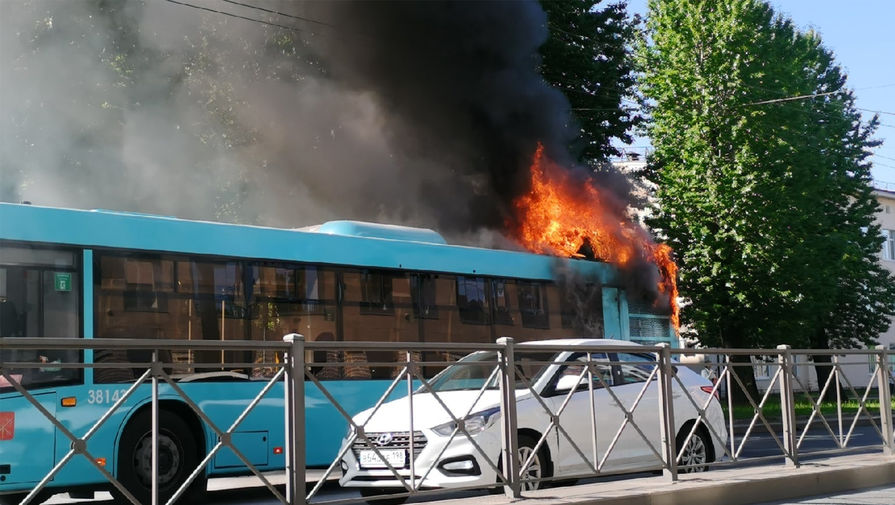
(588,57)
(768,203)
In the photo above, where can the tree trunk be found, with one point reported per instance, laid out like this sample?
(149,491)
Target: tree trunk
(746,375)
(823,367)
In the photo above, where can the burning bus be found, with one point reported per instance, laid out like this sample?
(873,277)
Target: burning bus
(89,274)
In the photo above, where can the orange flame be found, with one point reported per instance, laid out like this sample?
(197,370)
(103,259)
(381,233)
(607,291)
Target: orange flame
(564,216)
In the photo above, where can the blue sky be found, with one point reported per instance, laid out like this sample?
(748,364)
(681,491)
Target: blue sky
(861,34)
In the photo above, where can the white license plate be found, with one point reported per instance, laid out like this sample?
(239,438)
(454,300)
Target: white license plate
(395,457)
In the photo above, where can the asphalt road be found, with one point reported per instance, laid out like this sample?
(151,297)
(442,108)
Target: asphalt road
(876,496)
(245,491)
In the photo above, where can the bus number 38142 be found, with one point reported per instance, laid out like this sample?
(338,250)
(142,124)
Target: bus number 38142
(100,396)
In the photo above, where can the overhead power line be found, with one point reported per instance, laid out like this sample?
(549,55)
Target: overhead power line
(800,97)
(230,14)
(278,13)
(876,111)
(880,86)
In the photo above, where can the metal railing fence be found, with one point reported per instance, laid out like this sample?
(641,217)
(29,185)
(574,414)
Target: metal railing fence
(658,392)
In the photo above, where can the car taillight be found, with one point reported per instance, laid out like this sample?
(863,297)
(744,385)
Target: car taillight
(708,390)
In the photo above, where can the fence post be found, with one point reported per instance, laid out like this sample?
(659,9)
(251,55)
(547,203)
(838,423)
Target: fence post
(294,389)
(509,440)
(885,401)
(412,454)
(666,413)
(787,405)
(156,373)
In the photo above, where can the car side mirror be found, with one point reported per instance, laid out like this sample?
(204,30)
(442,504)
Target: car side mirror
(567,382)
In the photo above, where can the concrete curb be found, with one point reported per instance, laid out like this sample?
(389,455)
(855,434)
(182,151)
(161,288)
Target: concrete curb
(729,486)
(796,483)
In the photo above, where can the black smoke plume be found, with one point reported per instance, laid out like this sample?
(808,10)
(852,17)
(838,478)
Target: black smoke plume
(417,113)
(459,83)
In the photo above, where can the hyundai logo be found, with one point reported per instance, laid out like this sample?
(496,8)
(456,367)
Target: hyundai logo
(384,439)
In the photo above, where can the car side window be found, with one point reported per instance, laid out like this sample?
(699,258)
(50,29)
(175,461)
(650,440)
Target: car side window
(636,367)
(569,374)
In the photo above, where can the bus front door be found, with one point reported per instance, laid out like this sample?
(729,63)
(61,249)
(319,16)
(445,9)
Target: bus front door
(27,441)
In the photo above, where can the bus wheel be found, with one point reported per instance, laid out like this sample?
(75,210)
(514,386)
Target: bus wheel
(177,458)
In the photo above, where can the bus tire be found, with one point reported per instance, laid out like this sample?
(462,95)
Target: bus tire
(178,457)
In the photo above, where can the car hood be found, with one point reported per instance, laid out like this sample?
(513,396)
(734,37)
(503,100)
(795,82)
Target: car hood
(428,412)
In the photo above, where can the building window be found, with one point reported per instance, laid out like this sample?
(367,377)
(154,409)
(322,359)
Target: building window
(889,245)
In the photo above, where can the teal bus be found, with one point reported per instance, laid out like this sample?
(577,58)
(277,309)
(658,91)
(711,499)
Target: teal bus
(95,274)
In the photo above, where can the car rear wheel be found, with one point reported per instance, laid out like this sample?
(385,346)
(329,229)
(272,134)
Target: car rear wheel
(696,453)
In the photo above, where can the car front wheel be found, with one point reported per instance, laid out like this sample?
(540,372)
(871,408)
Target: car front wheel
(540,464)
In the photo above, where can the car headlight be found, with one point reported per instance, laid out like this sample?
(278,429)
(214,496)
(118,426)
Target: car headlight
(474,423)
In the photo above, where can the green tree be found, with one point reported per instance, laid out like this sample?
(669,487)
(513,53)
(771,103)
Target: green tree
(767,201)
(588,57)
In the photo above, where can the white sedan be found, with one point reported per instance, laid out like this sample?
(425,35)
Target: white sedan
(591,437)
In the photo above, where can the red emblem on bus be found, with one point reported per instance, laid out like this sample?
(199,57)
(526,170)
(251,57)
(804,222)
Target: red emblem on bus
(7,425)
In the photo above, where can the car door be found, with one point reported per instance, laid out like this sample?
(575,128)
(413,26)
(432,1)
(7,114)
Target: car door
(578,419)
(633,448)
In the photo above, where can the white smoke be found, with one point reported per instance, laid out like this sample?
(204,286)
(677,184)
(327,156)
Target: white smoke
(176,111)
(152,106)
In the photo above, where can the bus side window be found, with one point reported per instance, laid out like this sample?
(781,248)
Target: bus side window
(472,300)
(533,305)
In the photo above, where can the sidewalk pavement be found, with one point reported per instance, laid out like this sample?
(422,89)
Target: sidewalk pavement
(732,486)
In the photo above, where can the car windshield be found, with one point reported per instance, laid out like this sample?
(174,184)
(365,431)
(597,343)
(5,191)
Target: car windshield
(471,372)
